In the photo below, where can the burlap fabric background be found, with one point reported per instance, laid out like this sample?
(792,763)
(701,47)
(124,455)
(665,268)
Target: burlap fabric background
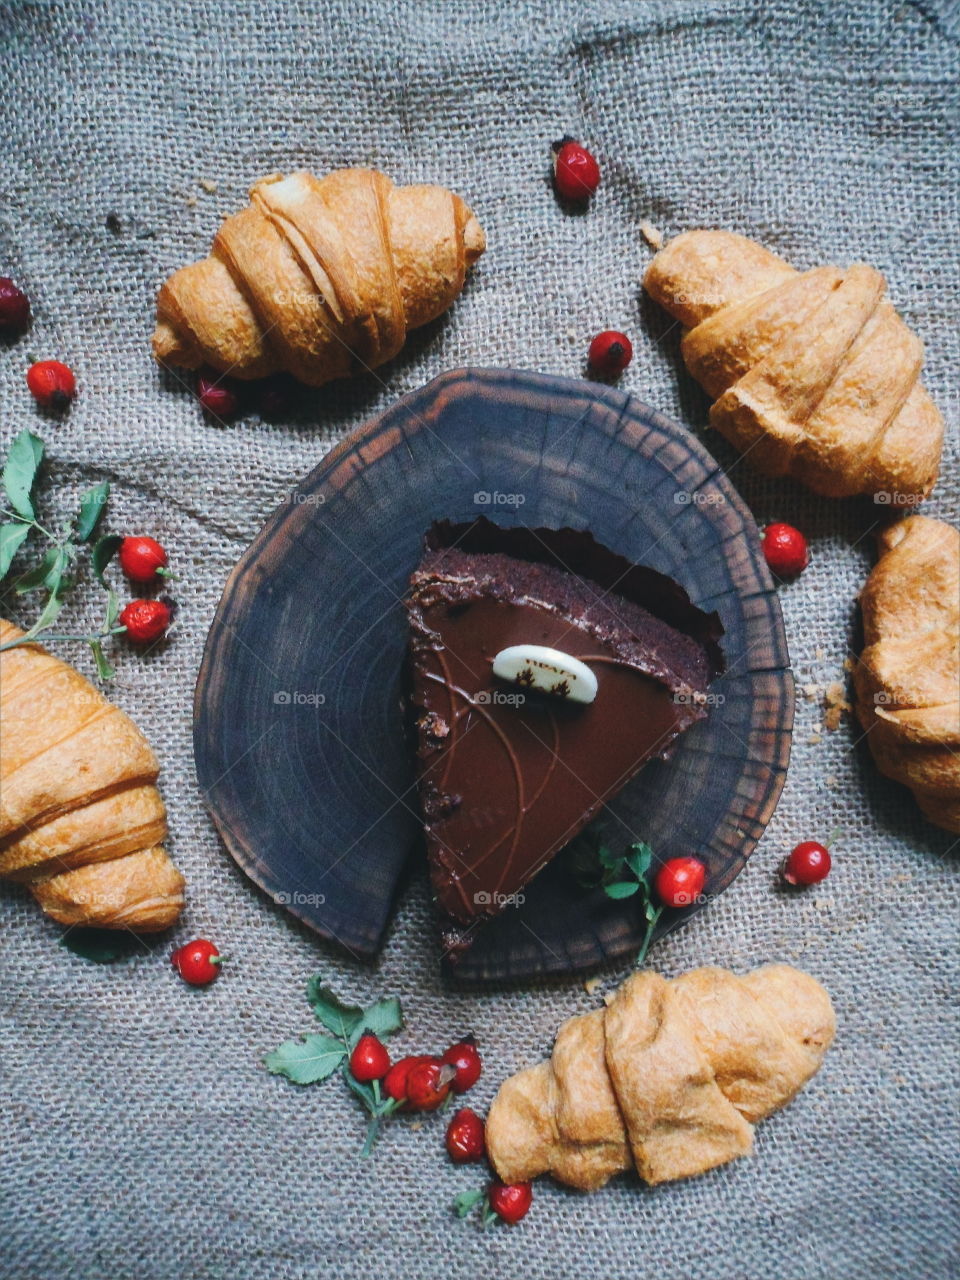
(141,1137)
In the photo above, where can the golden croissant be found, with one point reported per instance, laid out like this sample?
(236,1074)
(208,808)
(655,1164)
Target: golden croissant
(81,822)
(813,374)
(318,277)
(907,681)
(670,1077)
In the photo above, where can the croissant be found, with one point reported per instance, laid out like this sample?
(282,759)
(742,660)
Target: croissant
(318,277)
(670,1077)
(81,822)
(907,680)
(813,374)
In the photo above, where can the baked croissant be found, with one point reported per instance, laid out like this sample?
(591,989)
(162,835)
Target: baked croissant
(81,822)
(907,681)
(813,374)
(670,1077)
(318,277)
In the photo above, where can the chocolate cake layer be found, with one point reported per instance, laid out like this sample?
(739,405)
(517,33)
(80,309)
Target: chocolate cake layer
(509,776)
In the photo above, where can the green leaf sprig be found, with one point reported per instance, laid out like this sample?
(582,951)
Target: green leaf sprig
(464,1204)
(52,573)
(316,1057)
(626,875)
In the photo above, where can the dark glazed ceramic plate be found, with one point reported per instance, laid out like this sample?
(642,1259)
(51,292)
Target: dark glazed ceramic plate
(299,730)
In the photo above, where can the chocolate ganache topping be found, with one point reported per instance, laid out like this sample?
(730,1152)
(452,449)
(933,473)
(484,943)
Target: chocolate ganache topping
(508,774)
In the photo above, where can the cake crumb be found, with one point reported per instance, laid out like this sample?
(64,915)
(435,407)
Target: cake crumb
(836,705)
(822,904)
(608,999)
(830,780)
(209,187)
(572,335)
(591,985)
(814,739)
(417,1125)
(191,202)
(653,235)
(818,653)
(811,692)
(848,664)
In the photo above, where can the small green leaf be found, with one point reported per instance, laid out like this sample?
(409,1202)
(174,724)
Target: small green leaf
(47,616)
(466,1201)
(91,509)
(381,1019)
(113,608)
(608,858)
(11,536)
(363,1091)
(639,857)
(101,945)
(342,1019)
(20,472)
(48,570)
(104,549)
(104,670)
(306,1061)
(621,889)
(651,912)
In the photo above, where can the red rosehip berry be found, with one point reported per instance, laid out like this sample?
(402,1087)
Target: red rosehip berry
(197,962)
(465,1140)
(142,558)
(14,309)
(145,620)
(369,1060)
(395,1081)
(680,881)
(785,549)
(428,1084)
(809,863)
(51,384)
(610,353)
(511,1203)
(465,1057)
(576,173)
(218,394)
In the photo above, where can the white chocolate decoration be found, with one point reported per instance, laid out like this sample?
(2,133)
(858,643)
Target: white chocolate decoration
(535,666)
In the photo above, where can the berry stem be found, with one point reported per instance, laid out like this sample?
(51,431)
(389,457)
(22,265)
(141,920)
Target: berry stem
(648,936)
(372,1130)
(50,635)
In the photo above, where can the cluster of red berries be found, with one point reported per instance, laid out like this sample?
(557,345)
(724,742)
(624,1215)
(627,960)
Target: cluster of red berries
(422,1082)
(223,397)
(144,561)
(51,382)
(576,176)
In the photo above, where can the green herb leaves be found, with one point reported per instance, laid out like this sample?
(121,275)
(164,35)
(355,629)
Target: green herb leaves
(306,1061)
(20,473)
(626,875)
(51,573)
(11,536)
(91,509)
(318,1056)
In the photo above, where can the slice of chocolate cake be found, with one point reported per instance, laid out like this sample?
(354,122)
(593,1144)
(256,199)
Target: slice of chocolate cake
(518,750)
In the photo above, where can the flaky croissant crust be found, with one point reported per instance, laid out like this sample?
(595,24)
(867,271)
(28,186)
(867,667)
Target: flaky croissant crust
(813,374)
(670,1077)
(907,680)
(81,822)
(318,277)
